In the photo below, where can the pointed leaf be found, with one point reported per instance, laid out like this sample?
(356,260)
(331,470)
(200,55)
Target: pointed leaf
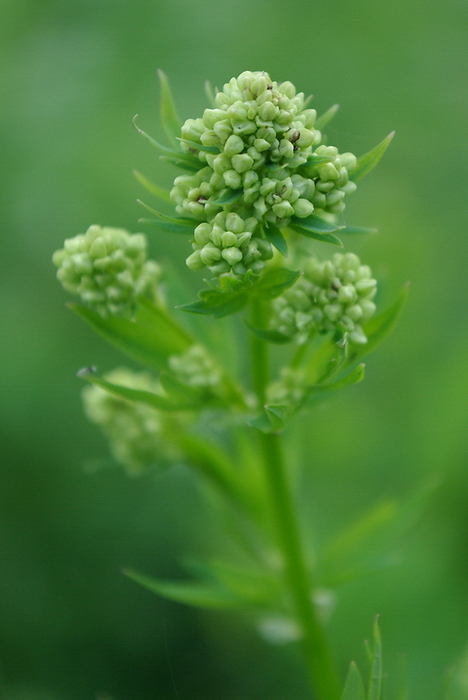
(146,397)
(270,336)
(369,160)
(228,197)
(323,120)
(323,237)
(216,303)
(276,238)
(189,165)
(195,146)
(315,159)
(276,416)
(180,221)
(152,187)
(354,687)
(178,155)
(166,226)
(210,96)
(197,594)
(375,680)
(354,377)
(169,119)
(275,282)
(149,338)
(316,224)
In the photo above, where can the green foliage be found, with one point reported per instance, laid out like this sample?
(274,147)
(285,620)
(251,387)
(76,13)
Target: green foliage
(368,161)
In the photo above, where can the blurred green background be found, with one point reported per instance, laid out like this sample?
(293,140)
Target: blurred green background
(73,74)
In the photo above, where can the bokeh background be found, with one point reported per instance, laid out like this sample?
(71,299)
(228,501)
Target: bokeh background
(73,74)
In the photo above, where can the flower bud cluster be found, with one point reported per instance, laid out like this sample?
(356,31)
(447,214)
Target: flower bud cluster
(195,368)
(333,293)
(289,388)
(265,136)
(107,268)
(138,434)
(229,244)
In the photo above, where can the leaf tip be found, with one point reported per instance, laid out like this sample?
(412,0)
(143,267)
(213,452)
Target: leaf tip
(85,372)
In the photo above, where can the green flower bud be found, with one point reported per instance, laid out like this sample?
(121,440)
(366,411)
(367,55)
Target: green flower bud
(139,436)
(303,208)
(233,145)
(195,368)
(107,268)
(242,162)
(332,293)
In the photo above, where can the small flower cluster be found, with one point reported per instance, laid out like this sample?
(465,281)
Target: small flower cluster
(107,268)
(229,244)
(264,139)
(138,434)
(195,368)
(330,294)
(289,388)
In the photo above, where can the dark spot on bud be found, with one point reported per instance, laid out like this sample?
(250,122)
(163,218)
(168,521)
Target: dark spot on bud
(269,87)
(295,135)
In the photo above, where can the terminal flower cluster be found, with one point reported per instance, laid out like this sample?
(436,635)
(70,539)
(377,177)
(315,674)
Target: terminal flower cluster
(107,268)
(330,294)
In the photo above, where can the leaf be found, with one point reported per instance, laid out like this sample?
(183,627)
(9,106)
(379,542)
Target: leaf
(175,389)
(149,338)
(375,680)
(272,419)
(354,687)
(275,282)
(178,155)
(315,159)
(189,165)
(270,336)
(326,117)
(216,303)
(228,197)
(169,119)
(210,96)
(379,327)
(316,224)
(369,160)
(324,238)
(197,594)
(179,221)
(152,187)
(194,145)
(146,397)
(354,377)
(276,238)
(165,226)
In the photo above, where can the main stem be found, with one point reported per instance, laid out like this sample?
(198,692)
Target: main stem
(315,646)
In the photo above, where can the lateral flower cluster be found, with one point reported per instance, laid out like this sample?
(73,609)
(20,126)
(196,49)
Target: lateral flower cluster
(259,147)
(330,294)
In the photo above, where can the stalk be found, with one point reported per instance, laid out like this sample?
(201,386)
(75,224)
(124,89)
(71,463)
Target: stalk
(320,667)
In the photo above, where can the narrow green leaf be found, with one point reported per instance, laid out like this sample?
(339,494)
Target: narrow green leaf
(260,422)
(276,238)
(358,229)
(210,96)
(180,221)
(375,680)
(152,187)
(195,146)
(369,160)
(275,282)
(276,416)
(315,159)
(323,237)
(169,119)
(149,338)
(323,120)
(228,197)
(178,155)
(354,687)
(316,224)
(166,226)
(270,336)
(354,377)
(379,327)
(217,303)
(147,397)
(189,165)
(197,594)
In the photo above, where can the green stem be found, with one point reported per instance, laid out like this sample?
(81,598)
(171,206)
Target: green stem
(317,655)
